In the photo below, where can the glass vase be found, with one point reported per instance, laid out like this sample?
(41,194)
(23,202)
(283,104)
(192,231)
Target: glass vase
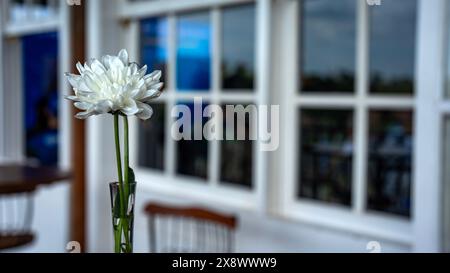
(122,212)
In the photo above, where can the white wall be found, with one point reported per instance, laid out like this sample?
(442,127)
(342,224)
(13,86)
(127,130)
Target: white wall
(50,220)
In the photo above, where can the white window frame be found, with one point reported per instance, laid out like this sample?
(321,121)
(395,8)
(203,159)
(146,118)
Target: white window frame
(356,219)
(422,231)
(168,181)
(442,87)
(12,143)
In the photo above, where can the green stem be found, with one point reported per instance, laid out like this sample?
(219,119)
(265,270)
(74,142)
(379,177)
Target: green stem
(126,157)
(118,232)
(118,157)
(127,180)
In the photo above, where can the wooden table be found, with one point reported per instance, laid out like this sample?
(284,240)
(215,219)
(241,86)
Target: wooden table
(17,179)
(20,178)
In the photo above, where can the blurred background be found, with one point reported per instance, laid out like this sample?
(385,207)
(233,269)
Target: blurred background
(364,129)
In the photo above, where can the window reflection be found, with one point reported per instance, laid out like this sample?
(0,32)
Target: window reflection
(154,44)
(238,47)
(21,11)
(152,139)
(192,155)
(392,47)
(236,155)
(327,45)
(390,156)
(40,66)
(326,154)
(193,52)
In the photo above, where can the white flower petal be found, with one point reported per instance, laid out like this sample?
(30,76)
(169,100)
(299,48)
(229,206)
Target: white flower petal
(90,83)
(84,115)
(151,94)
(72,98)
(80,68)
(114,84)
(98,68)
(123,56)
(106,61)
(130,108)
(73,79)
(145,111)
(103,107)
(141,72)
(154,76)
(83,105)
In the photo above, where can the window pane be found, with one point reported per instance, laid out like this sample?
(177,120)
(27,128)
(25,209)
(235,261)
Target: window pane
(327,45)
(21,11)
(40,68)
(392,47)
(326,154)
(237,155)
(152,139)
(192,155)
(238,28)
(193,52)
(154,44)
(390,156)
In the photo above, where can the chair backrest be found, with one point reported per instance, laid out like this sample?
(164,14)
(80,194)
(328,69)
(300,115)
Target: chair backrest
(16,213)
(189,230)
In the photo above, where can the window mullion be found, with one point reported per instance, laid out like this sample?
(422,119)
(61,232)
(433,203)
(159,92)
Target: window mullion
(214,149)
(131,38)
(263,50)
(170,158)
(359,194)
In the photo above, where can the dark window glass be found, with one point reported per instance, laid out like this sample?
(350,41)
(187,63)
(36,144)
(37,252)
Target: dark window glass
(152,139)
(326,154)
(192,155)
(238,47)
(327,52)
(154,44)
(40,68)
(236,155)
(392,47)
(390,157)
(193,52)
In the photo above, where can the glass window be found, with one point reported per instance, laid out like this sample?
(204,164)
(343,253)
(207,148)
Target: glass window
(327,54)
(392,47)
(152,139)
(238,47)
(390,157)
(193,52)
(40,81)
(237,155)
(192,155)
(326,154)
(154,44)
(21,11)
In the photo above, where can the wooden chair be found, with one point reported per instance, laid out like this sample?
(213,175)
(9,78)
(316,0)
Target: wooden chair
(189,230)
(16,213)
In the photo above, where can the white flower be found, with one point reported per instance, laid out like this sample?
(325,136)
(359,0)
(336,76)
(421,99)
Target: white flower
(114,85)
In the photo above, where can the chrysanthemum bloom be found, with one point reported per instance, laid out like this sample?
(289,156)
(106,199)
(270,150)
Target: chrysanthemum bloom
(114,85)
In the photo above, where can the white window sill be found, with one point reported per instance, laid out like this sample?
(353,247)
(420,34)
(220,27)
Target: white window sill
(378,226)
(195,190)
